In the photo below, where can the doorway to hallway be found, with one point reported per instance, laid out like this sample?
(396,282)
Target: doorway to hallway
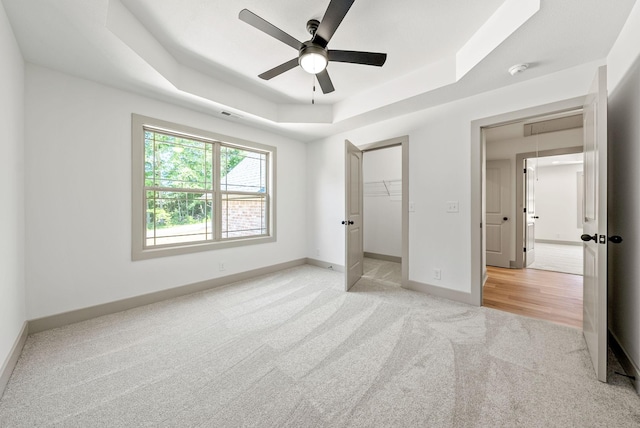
(546,295)
(542,275)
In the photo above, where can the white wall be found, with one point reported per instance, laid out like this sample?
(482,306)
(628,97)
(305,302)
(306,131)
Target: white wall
(78,198)
(623,185)
(556,191)
(510,148)
(439,171)
(382,214)
(12,283)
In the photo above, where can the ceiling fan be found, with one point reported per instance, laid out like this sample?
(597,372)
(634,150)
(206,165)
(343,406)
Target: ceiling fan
(313,55)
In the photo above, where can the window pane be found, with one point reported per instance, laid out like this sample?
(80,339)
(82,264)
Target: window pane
(243,215)
(242,170)
(174,217)
(172,161)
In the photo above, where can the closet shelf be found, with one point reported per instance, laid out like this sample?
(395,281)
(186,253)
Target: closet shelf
(389,188)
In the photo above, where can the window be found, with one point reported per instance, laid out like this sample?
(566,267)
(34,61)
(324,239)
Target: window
(194,190)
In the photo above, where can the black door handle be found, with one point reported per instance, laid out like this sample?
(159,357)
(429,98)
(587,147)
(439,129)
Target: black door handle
(348,222)
(535,216)
(615,239)
(587,238)
(505,218)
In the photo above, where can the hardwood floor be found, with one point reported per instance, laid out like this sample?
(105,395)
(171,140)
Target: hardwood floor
(535,293)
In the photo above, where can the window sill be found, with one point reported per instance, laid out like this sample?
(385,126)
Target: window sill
(152,253)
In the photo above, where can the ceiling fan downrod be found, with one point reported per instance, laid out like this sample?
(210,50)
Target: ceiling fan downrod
(312,26)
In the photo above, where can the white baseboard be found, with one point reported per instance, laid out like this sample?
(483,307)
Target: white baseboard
(325,265)
(553,241)
(455,295)
(11,360)
(384,257)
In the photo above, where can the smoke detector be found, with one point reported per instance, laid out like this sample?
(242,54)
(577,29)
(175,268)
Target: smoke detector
(518,68)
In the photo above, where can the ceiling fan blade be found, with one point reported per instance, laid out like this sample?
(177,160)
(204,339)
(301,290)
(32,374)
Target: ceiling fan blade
(325,82)
(266,27)
(276,71)
(357,57)
(332,18)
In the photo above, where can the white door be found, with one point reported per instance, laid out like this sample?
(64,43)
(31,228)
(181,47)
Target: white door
(530,213)
(498,194)
(594,324)
(353,248)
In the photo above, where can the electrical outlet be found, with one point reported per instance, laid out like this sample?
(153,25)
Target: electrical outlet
(437,274)
(453,207)
(221,266)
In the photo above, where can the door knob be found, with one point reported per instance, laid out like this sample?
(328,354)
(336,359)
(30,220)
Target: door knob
(587,238)
(615,239)
(505,218)
(347,222)
(535,216)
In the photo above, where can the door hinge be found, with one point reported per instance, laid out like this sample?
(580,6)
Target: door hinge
(525,210)
(524,250)
(524,171)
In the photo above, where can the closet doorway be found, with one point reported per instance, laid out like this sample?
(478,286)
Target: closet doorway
(385,213)
(382,177)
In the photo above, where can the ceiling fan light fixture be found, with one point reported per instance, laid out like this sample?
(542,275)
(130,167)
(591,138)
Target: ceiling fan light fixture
(313,59)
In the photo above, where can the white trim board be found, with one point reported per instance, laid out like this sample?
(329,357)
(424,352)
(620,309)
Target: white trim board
(384,257)
(553,241)
(446,293)
(325,265)
(12,359)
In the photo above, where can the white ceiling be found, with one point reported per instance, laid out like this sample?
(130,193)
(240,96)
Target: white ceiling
(197,53)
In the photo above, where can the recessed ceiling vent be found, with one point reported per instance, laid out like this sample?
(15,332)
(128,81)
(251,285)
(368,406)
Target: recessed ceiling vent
(553,125)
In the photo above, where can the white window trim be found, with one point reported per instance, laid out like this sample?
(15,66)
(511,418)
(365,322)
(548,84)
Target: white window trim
(138,208)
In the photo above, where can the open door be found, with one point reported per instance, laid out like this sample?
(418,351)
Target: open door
(354,253)
(530,214)
(498,205)
(595,223)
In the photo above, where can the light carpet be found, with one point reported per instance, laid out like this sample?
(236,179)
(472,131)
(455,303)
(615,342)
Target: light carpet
(558,258)
(292,349)
(382,271)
